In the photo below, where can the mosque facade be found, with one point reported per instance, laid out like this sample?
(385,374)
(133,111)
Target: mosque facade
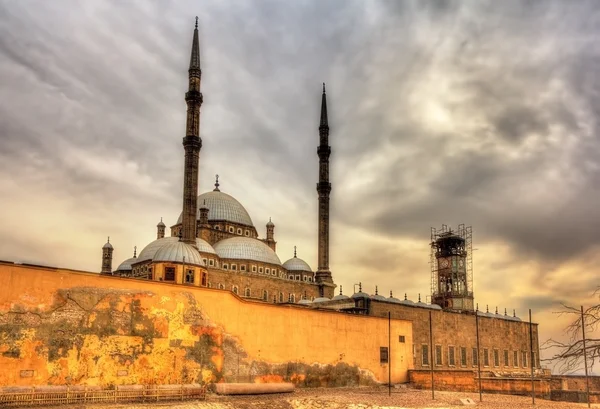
(214,242)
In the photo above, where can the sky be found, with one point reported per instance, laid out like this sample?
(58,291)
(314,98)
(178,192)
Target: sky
(441,112)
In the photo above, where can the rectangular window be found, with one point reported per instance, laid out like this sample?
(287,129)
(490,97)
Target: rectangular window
(515,359)
(506,358)
(234,267)
(496,358)
(425,355)
(486,357)
(267,271)
(189,277)
(524,359)
(451,360)
(401,338)
(297,277)
(254,269)
(242,267)
(475,357)
(463,356)
(260,270)
(170,274)
(438,355)
(225,266)
(211,262)
(383,355)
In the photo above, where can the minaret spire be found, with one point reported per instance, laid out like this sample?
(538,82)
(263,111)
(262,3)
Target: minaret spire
(323,275)
(192,144)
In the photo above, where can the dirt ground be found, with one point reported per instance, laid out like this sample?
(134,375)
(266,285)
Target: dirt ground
(349,398)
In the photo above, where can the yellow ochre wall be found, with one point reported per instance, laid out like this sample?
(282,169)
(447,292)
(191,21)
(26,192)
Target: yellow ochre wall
(61,326)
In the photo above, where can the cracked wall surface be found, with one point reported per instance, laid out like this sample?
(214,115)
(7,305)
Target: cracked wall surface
(66,327)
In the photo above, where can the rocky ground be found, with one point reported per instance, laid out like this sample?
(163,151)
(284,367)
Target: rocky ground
(349,398)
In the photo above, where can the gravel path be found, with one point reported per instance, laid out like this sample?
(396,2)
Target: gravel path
(350,398)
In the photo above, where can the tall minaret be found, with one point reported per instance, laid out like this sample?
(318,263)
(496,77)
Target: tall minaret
(192,145)
(323,276)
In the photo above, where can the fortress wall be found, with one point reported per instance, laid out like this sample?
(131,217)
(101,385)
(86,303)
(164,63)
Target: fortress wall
(61,326)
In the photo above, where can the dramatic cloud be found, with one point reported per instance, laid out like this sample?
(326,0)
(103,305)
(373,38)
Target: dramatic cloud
(448,112)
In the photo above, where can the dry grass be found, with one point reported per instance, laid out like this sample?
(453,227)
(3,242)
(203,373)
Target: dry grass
(350,398)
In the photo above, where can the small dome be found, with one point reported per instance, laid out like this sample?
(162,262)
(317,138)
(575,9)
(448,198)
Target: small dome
(360,294)
(434,306)
(126,265)
(222,206)
(305,302)
(107,245)
(150,250)
(340,297)
(406,301)
(270,223)
(393,299)
(179,252)
(160,224)
(246,248)
(296,264)
(321,299)
(378,297)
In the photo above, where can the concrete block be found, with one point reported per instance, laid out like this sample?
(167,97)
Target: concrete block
(467,402)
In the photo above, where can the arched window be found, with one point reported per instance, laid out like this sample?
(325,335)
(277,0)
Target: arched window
(225,266)
(205,261)
(260,270)
(292,298)
(189,277)
(265,295)
(204,279)
(234,289)
(267,271)
(231,229)
(239,231)
(221,286)
(280,297)
(217,227)
(247,292)
(254,269)
(243,267)
(211,262)
(234,267)
(247,233)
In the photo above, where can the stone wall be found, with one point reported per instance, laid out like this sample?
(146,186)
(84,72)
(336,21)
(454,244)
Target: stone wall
(454,329)
(66,327)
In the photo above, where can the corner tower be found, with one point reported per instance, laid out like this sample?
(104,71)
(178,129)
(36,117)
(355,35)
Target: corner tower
(323,275)
(192,145)
(107,255)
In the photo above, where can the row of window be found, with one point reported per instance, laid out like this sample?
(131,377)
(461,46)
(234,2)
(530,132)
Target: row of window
(269,271)
(232,230)
(265,294)
(496,357)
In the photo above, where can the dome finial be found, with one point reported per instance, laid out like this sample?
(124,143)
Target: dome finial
(216,189)
(477,307)
(505,312)
(134,251)
(341,289)
(405,298)
(419,297)
(376,291)
(391,294)
(360,287)
(108,239)
(294,251)
(323,88)
(514,313)
(196,22)
(487,310)
(496,310)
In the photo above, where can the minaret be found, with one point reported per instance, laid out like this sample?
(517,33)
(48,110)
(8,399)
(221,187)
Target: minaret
(271,235)
(323,276)
(107,252)
(192,145)
(160,229)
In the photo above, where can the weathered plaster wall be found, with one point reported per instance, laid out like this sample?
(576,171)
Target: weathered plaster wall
(66,327)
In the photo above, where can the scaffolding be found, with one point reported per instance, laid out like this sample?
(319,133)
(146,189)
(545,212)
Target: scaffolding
(466,234)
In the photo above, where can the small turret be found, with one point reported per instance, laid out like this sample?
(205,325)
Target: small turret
(203,214)
(160,229)
(107,253)
(270,241)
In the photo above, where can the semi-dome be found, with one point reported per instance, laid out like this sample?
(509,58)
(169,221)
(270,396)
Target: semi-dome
(246,248)
(150,250)
(179,252)
(126,265)
(296,264)
(222,206)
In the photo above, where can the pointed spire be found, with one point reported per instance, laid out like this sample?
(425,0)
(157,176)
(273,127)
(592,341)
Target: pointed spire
(324,122)
(216,189)
(134,251)
(295,253)
(195,57)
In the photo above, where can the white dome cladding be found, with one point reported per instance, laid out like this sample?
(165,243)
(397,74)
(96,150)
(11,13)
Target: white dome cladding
(297,264)
(179,252)
(246,248)
(150,250)
(126,265)
(222,206)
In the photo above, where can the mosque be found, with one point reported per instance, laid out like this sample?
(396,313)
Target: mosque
(215,242)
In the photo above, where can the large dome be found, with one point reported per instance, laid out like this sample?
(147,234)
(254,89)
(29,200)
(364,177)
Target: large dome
(221,206)
(296,264)
(179,252)
(245,248)
(150,250)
